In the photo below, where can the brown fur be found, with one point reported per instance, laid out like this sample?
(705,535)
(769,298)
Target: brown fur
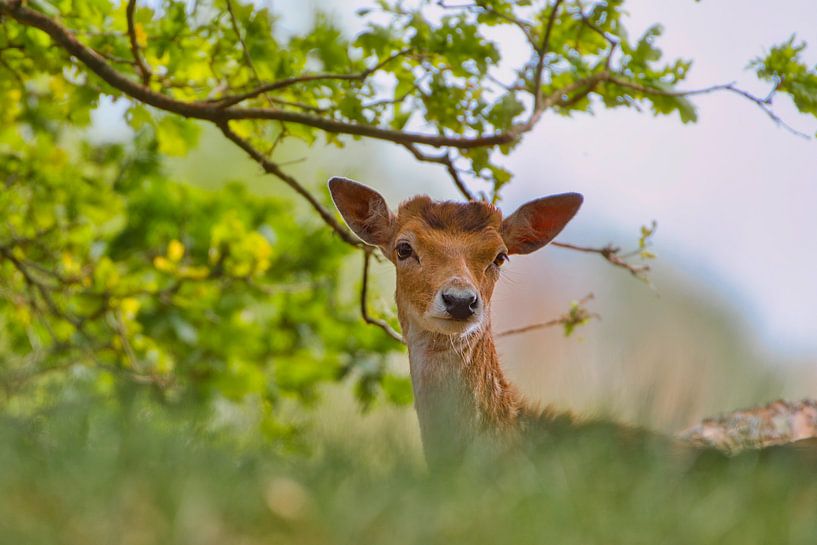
(470,217)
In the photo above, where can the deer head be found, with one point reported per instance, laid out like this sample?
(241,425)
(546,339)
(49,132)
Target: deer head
(448,254)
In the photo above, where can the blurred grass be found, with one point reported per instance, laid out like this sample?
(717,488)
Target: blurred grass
(135,473)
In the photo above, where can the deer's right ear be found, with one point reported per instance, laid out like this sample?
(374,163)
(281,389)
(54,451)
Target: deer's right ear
(538,222)
(364,210)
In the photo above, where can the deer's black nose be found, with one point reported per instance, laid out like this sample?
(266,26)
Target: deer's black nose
(461,304)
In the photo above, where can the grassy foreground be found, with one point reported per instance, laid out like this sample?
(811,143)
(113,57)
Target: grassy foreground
(84,474)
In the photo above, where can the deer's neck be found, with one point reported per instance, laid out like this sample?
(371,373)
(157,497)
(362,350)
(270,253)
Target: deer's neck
(460,392)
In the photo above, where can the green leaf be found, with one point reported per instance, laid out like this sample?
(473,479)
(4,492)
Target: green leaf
(176,135)
(504,111)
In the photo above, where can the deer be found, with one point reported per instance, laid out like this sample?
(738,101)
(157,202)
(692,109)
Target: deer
(447,256)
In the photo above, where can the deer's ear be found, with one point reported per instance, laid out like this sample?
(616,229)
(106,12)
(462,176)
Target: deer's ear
(364,210)
(536,223)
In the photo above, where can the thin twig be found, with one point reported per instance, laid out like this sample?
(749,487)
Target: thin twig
(299,105)
(531,327)
(245,50)
(542,52)
(762,103)
(524,26)
(43,289)
(144,71)
(364,311)
(119,328)
(415,86)
(227,101)
(17,77)
(592,26)
(445,160)
(577,315)
(562,98)
(611,254)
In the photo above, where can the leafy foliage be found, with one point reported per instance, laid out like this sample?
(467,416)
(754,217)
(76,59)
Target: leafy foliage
(112,270)
(784,67)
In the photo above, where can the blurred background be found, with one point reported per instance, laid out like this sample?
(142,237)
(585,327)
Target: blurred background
(730,319)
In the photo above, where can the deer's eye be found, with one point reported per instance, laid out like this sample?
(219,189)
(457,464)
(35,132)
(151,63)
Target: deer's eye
(500,259)
(404,250)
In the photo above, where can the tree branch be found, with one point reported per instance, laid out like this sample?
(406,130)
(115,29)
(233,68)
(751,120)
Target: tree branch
(271,168)
(209,111)
(218,113)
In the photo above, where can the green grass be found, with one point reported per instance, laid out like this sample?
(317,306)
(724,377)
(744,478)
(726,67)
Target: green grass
(88,473)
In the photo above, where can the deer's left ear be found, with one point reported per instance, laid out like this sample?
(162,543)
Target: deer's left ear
(536,223)
(364,210)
